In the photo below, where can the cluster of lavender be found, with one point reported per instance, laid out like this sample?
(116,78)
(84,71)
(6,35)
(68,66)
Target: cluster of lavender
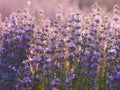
(71,52)
(16,41)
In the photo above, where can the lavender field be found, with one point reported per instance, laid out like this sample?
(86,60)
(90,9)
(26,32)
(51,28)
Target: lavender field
(61,46)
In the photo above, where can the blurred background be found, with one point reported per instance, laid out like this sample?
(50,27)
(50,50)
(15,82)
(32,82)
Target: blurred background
(49,6)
